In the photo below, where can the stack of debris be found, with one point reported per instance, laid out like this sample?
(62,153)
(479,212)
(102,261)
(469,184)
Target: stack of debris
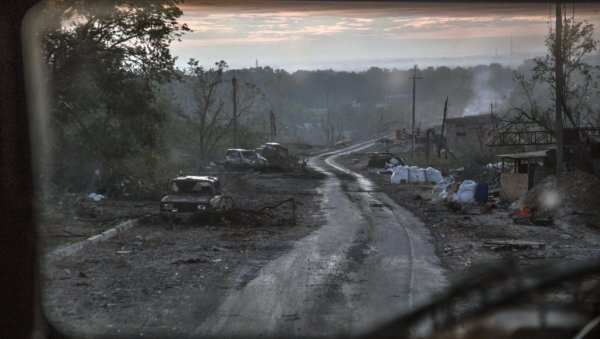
(571,197)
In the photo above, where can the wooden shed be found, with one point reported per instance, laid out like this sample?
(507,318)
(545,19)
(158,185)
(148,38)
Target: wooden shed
(527,170)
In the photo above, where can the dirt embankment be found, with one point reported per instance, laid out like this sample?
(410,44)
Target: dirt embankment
(477,235)
(170,278)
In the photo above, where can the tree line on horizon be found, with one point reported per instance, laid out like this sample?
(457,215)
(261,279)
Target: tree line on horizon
(119,105)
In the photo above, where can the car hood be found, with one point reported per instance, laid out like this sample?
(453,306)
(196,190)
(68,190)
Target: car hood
(187,198)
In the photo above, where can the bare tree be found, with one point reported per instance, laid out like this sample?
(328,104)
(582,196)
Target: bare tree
(579,79)
(211,114)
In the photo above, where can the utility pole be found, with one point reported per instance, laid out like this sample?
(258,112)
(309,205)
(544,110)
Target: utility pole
(558,75)
(414,83)
(273,133)
(443,124)
(234,84)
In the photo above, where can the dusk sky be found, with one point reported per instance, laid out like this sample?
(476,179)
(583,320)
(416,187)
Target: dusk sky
(355,36)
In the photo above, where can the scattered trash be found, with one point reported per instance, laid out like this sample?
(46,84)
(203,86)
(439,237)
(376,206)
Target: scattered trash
(513,245)
(394,162)
(521,216)
(546,221)
(380,159)
(440,188)
(455,173)
(571,197)
(96,197)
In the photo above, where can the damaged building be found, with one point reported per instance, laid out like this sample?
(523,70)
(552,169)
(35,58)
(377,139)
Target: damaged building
(469,134)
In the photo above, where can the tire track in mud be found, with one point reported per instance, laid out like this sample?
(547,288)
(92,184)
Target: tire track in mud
(355,271)
(364,185)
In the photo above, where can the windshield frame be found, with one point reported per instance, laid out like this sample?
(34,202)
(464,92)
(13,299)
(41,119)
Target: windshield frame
(189,190)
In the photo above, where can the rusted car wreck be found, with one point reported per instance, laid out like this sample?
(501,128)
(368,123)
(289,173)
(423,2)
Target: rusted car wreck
(191,195)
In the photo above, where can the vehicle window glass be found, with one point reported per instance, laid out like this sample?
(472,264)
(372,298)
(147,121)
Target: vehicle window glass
(192,187)
(248,154)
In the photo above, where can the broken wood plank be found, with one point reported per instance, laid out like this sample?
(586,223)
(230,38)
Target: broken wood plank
(513,244)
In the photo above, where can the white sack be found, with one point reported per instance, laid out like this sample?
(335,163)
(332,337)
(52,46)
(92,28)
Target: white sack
(400,174)
(433,175)
(466,192)
(412,174)
(421,177)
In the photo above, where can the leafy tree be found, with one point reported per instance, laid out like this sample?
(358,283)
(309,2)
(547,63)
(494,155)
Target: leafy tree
(104,59)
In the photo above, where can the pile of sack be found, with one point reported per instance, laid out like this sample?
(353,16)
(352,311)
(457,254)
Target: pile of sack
(467,191)
(415,174)
(448,188)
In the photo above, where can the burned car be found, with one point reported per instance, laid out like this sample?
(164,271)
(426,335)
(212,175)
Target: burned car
(278,156)
(243,158)
(189,195)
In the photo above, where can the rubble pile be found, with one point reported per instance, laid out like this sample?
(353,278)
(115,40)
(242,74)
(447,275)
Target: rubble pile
(572,196)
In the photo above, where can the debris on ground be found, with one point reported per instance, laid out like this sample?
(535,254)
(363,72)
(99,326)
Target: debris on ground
(470,233)
(572,197)
(170,271)
(280,213)
(497,245)
(95,197)
(381,159)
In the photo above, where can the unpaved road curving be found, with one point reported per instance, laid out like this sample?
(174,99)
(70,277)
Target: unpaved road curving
(369,261)
(351,259)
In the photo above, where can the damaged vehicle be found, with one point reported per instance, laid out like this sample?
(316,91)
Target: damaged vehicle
(190,195)
(243,158)
(278,156)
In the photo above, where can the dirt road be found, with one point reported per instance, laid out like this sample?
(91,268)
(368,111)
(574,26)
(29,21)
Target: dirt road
(351,259)
(370,260)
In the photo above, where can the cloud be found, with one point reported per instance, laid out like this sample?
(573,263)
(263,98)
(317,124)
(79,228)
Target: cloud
(440,27)
(267,27)
(204,25)
(279,31)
